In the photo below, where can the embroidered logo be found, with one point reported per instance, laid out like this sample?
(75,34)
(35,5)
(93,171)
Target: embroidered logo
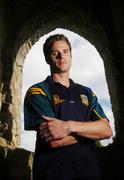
(57,100)
(84,99)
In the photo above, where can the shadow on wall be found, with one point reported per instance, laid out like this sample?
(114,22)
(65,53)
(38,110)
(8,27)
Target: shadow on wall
(112,158)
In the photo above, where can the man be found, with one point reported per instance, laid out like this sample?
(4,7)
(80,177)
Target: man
(68,119)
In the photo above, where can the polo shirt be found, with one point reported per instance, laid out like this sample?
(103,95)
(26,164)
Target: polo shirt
(78,103)
(52,99)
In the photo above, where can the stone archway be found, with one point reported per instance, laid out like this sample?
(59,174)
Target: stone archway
(86,25)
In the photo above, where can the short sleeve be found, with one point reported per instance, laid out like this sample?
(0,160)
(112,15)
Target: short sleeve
(36,104)
(96,109)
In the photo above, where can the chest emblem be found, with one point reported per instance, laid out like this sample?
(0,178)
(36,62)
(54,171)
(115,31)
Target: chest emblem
(57,100)
(84,99)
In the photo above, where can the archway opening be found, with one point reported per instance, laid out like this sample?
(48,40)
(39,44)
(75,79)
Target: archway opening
(87,69)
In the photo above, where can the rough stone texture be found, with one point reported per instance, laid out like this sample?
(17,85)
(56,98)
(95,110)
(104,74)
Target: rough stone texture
(22,23)
(15,164)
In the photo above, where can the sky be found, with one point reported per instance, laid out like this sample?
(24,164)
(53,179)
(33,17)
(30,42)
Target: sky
(87,69)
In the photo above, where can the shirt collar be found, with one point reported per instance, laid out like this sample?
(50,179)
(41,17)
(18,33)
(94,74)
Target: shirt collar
(50,81)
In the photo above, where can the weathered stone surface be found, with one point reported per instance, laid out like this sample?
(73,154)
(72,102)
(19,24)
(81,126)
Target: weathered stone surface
(18,164)
(3,153)
(15,164)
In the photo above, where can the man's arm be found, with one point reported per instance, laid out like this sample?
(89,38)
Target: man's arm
(96,130)
(45,134)
(36,103)
(68,140)
(60,131)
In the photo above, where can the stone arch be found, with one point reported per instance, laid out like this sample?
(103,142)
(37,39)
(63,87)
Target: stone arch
(82,22)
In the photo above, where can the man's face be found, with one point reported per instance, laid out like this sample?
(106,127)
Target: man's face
(60,57)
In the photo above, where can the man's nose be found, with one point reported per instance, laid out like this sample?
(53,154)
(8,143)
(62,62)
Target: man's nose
(59,55)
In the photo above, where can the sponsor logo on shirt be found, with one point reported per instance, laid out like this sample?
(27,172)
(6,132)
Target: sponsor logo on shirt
(57,100)
(84,99)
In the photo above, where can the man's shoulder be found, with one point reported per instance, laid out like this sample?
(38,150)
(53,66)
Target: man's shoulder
(40,88)
(38,84)
(85,88)
(37,88)
(42,84)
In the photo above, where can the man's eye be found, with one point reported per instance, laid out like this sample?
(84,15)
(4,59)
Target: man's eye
(54,53)
(66,51)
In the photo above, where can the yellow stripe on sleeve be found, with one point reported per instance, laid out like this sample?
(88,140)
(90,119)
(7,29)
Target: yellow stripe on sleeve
(36,91)
(93,94)
(97,114)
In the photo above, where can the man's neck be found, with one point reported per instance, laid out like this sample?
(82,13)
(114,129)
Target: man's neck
(62,78)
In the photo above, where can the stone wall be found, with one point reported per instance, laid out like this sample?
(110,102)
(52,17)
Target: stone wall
(1,42)
(15,164)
